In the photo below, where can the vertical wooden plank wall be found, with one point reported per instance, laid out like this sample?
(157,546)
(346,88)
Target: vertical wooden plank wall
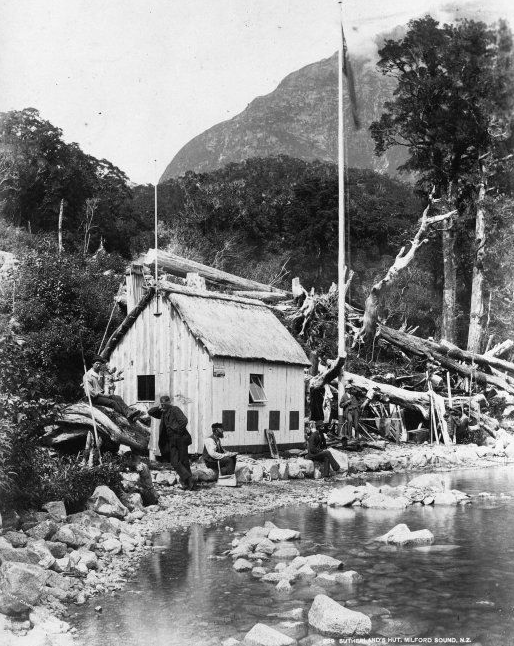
(284,389)
(163,346)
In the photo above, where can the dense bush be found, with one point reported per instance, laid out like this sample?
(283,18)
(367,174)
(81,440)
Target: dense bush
(61,305)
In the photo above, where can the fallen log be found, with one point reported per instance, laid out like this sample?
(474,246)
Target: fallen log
(179,266)
(412,399)
(500,348)
(420,347)
(74,422)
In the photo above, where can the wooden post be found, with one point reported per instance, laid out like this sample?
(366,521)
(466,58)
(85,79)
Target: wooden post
(341,264)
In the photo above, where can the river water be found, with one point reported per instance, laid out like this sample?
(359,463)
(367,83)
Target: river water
(462,588)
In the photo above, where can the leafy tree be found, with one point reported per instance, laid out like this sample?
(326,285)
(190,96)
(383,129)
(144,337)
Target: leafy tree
(38,170)
(61,306)
(452,110)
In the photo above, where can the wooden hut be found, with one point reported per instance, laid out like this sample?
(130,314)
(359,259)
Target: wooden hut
(222,358)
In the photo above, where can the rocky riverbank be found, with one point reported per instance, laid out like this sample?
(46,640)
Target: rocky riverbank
(50,560)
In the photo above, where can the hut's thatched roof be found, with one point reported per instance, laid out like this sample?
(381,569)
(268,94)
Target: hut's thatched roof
(227,326)
(231,328)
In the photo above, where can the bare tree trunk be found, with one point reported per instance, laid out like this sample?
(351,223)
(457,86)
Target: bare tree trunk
(449,286)
(402,260)
(476,314)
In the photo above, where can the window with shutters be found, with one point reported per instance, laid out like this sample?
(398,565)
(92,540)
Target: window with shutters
(146,388)
(274,420)
(256,393)
(228,419)
(252,420)
(294,420)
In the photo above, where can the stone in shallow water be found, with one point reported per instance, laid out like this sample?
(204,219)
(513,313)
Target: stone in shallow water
(370,609)
(334,620)
(286,553)
(320,562)
(242,565)
(405,628)
(262,635)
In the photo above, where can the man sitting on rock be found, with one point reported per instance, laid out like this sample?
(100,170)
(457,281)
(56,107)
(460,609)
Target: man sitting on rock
(318,451)
(215,457)
(92,383)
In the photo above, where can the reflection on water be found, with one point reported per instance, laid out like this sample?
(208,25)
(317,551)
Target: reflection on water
(465,590)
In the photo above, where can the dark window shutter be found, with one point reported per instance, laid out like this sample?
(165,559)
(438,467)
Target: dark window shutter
(228,419)
(274,420)
(146,388)
(252,420)
(294,420)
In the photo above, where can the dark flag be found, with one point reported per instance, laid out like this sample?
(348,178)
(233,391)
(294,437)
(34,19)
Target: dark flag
(350,82)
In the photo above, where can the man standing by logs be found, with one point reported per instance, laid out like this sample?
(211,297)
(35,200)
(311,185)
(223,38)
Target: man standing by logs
(174,439)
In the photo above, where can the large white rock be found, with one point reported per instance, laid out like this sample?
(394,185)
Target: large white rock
(381,501)
(277,535)
(257,531)
(105,502)
(428,481)
(393,534)
(262,635)
(334,620)
(341,459)
(402,535)
(295,471)
(320,562)
(307,467)
(342,497)
(349,576)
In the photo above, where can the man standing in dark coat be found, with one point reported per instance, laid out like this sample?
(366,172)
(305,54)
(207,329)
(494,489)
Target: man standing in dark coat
(319,453)
(174,439)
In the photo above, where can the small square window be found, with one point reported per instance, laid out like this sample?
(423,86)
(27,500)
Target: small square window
(228,419)
(294,420)
(274,420)
(257,394)
(252,420)
(146,388)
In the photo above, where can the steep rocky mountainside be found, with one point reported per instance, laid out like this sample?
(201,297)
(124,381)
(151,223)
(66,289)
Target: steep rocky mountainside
(299,118)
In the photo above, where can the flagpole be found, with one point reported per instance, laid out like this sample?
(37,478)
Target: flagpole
(341,267)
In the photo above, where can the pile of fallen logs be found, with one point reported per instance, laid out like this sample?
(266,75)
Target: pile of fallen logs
(73,423)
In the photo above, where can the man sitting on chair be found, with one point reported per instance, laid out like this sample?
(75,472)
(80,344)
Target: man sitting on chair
(215,457)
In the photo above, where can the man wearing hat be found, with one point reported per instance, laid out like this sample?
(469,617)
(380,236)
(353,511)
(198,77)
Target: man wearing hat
(318,450)
(214,456)
(93,383)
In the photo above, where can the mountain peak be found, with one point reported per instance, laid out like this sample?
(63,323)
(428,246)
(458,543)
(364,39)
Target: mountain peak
(299,119)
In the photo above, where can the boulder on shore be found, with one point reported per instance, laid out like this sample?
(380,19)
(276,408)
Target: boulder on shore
(21,585)
(342,497)
(334,620)
(105,502)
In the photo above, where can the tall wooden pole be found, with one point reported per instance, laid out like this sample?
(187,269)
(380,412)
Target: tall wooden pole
(341,337)
(157,311)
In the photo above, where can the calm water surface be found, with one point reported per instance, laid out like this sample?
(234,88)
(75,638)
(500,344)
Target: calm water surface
(181,597)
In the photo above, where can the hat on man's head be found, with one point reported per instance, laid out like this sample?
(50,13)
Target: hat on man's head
(99,358)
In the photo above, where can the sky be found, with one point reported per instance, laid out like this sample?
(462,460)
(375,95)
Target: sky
(132,81)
